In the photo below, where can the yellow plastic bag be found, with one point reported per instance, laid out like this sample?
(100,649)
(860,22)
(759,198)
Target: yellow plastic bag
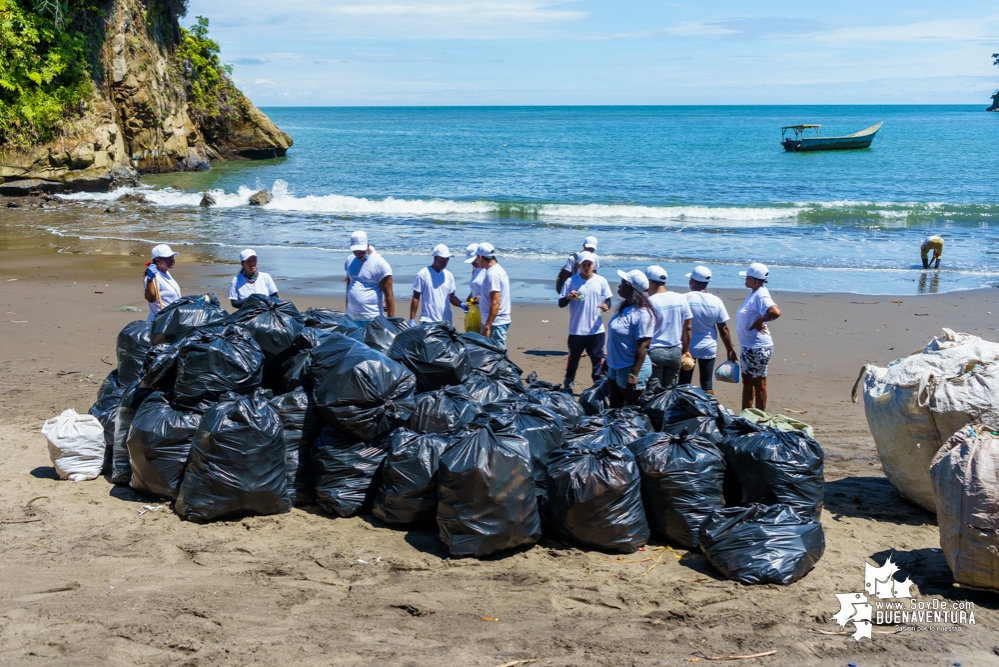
(473,319)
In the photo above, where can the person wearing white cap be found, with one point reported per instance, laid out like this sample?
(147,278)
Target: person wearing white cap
(672,336)
(160,288)
(571,267)
(369,282)
(250,280)
(433,290)
(754,336)
(629,334)
(495,292)
(710,317)
(588,297)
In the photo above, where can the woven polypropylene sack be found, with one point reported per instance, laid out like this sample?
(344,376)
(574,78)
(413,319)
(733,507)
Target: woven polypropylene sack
(76,445)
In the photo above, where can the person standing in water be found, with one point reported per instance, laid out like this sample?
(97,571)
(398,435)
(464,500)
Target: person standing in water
(160,288)
(931,244)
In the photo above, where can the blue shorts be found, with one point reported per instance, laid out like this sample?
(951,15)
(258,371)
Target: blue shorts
(498,333)
(620,375)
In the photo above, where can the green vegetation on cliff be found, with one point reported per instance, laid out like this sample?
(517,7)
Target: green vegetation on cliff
(215,102)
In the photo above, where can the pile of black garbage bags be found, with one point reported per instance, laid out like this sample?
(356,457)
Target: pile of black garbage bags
(257,411)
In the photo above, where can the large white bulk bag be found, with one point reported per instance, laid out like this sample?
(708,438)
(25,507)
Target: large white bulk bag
(915,404)
(76,445)
(965,475)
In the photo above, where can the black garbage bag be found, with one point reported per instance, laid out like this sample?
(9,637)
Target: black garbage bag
(559,402)
(296,369)
(446,410)
(132,346)
(380,333)
(105,409)
(301,424)
(686,401)
(772,467)
(237,464)
(595,497)
(541,427)
(596,399)
(346,471)
(359,390)
(329,320)
(159,442)
(183,316)
(131,399)
(702,427)
(274,323)
(489,357)
(600,430)
(434,352)
(486,499)
(733,425)
(762,544)
(487,390)
(408,492)
(629,416)
(682,479)
(210,364)
(160,367)
(653,405)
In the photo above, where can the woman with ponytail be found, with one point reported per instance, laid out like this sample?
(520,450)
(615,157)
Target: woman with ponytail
(628,336)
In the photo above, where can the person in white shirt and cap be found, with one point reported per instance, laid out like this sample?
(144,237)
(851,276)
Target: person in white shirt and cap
(672,337)
(495,293)
(250,280)
(629,334)
(588,297)
(160,288)
(433,290)
(709,323)
(754,336)
(369,282)
(571,266)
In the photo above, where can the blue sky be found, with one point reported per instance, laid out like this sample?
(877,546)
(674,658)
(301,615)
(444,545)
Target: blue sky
(441,52)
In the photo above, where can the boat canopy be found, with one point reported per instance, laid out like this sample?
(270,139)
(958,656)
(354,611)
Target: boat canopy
(800,127)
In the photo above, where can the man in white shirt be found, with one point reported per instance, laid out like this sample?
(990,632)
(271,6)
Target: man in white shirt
(433,290)
(571,266)
(369,282)
(672,335)
(160,289)
(588,297)
(495,294)
(249,280)
(709,322)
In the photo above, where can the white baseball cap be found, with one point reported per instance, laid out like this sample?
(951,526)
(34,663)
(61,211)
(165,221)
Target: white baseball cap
(358,241)
(701,274)
(586,256)
(247,254)
(470,252)
(590,243)
(441,250)
(656,273)
(163,250)
(635,278)
(485,250)
(756,270)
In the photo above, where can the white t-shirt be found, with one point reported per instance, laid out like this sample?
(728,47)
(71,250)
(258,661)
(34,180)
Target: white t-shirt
(572,263)
(435,290)
(475,284)
(496,280)
(240,288)
(626,329)
(364,295)
(708,311)
(585,317)
(673,311)
(169,291)
(752,309)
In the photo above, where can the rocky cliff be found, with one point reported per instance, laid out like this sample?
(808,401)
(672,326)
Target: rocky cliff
(995,103)
(139,119)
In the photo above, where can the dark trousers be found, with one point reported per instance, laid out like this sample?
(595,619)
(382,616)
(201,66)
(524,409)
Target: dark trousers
(594,347)
(707,374)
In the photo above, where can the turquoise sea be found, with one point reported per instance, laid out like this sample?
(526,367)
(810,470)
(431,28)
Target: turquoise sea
(670,185)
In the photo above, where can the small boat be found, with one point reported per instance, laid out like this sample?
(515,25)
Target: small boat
(850,142)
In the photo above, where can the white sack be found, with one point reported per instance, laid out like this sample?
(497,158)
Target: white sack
(965,475)
(76,445)
(915,404)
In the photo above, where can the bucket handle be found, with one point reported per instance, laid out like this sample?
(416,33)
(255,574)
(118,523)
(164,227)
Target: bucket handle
(863,372)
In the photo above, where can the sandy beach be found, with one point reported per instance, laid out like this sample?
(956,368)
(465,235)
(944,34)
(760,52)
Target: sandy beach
(89,579)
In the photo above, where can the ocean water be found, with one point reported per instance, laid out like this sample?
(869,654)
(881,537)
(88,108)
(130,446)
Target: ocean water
(677,186)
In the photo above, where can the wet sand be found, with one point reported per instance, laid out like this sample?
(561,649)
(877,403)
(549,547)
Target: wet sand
(88,580)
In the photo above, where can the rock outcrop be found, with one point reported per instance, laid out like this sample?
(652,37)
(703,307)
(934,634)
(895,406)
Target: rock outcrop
(995,103)
(138,122)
